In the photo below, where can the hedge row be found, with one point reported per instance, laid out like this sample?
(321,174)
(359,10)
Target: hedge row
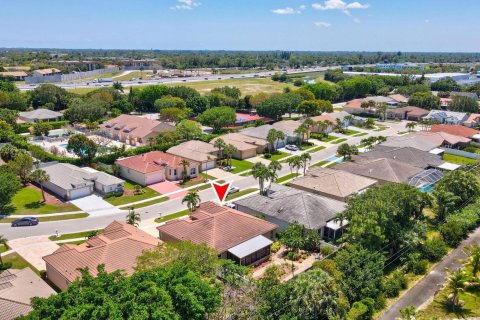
(23,127)
(458,225)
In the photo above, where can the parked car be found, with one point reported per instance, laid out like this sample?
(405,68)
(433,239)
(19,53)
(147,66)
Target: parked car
(227,168)
(25,221)
(291,147)
(229,205)
(233,190)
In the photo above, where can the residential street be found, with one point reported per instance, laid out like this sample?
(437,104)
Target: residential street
(432,282)
(173,205)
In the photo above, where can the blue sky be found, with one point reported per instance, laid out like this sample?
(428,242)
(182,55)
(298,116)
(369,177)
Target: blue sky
(366,25)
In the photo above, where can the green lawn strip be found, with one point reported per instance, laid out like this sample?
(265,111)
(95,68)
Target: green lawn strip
(339,141)
(249,173)
(51,218)
(73,242)
(146,204)
(118,201)
(18,262)
(74,235)
(458,159)
(337,109)
(361,134)
(241,193)
(172,216)
(319,164)
(349,132)
(3,248)
(27,201)
(287,177)
(316,149)
(381,129)
(323,138)
(331,165)
(195,182)
(240,166)
(278,155)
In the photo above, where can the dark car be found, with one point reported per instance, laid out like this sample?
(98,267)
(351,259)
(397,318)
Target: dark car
(26,221)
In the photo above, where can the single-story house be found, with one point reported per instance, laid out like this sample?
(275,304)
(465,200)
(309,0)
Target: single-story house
(242,119)
(284,205)
(409,155)
(288,126)
(134,129)
(347,118)
(384,170)
(155,166)
(234,235)
(17,75)
(407,113)
(197,151)
(398,98)
(331,183)
(261,132)
(355,106)
(17,288)
(117,247)
(457,130)
(446,117)
(247,146)
(444,102)
(427,141)
(39,115)
(324,117)
(71,182)
(473,120)
(46,72)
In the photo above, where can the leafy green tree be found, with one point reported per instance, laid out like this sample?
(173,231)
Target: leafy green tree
(81,110)
(362,272)
(9,185)
(346,150)
(198,104)
(231,92)
(309,108)
(41,128)
(83,147)
(169,102)
(446,202)
(463,104)
(424,100)
(50,93)
(274,107)
(160,293)
(6,131)
(189,130)
(293,237)
(21,165)
(8,152)
(145,98)
(218,117)
(173,114)
(321,90)
(464,185)
(473,253)
(123,105)
(192,199)
(457,281)
(40,177)
(132,217)
(447,84)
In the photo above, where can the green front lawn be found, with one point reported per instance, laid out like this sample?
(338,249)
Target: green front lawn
(320,164)
(440,309)
(146,204)
(197,181)
(240,193)
(278,155)
(125,199)
(3,248)
(323,138)
(459,160)
(74,235)
(172,216)
(361,134)
(28,201)
(287,177)
(316,149)
(348,132)
(18,262)
(339,141)
(240,165)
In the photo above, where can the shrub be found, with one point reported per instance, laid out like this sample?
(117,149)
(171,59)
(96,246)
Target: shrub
(459,224)
(275,246)
(113,194)
(267,155)
(326,251)
(434,249)
(452,233)
(327,265)
(394,284)
(292,256)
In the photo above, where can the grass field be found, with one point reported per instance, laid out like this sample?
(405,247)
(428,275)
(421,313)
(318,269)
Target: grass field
(319,164)
(147,203)
(18,262)
(75,235)
(278,156)
(27,201)
(325,139)
(133,75)
(173,216)
(3,248)
(287,177)
(349,132)
(459,160)
(240,193)
(316,149)
(361,134)
(339,141)
(123,200)
(240,165)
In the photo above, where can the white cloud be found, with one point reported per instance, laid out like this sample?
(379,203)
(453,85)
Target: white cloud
(339,5)
(186,5)
(322,24)
(303,7)
(287,10)
(356,20)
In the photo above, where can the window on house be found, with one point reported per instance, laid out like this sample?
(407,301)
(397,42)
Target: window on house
(193,171)
(174,172)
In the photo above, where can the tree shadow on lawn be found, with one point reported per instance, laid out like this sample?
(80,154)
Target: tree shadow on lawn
(460,312)
(34,205)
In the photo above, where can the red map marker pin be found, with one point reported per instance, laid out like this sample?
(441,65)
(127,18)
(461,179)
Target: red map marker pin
(221,190)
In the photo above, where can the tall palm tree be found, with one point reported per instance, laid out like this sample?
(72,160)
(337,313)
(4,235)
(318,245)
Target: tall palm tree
(229,151)
(382,109)
(185,163)
(118,86)
(348,119)
(301,131)
(292,163)
(219,144)
(457,281)
(339,125)
(206,167)
(40,177)
(410,126)
(261,173)
(473,253)
(446,201)
(3,242)
(192,199)
(271,138)
(309,123)
(273,168)
(279,137)
(305,157)
(132,217)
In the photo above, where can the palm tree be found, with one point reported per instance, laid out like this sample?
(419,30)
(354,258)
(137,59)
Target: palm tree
(206,167)
(369,123)
(184,163)
(273,168)
(344,150)
(271,138)
(305,157)
(323,126)
(260,172)
(280,136)
(308,123)
(118,86)
(301,131)
(192,199)
(219,144)
(368,143)
(3,242)
(380,139)
(409,313)
(40,177)
(473,253)
(457,281)
(446,201)
(339,125)
(348,119)
(132,217)
(365,105)
(410,126)
(382,109)
(229,151)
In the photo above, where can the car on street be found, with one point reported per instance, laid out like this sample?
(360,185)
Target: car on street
(291,147)
(25,221)
(229,205)
(233,190)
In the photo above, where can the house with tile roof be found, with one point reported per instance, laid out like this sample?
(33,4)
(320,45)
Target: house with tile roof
(235,235)
(156,166)
(134,130)
(324,117)
(409,155)
(247,146)
(17,288)
(446,117)
(457,130)
(331,183)
(17,75)
(261,132)
(117,247)
(204,153)
(473,120)
(427,141)
(407,113)
(284,205)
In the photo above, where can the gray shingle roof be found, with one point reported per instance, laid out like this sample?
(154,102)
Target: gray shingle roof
(412,156)
(292,205)
(442,114)
(40,114)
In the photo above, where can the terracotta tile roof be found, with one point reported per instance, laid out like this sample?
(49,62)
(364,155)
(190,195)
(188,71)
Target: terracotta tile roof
(355,104)
(324,117)
(195,150)
(117,247)
(411,111)
(399,98)
(47,71)
(425,141)
(136,126)
(14,73)
(457,130)
(219,227)
(150,162)
(473,118)
(241,141)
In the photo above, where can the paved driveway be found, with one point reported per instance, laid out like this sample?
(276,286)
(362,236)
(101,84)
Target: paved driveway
(221,174)
(94,204)
(167,187)
(33,249)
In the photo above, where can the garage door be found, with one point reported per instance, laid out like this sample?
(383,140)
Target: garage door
(79,193)
(155,177)
(208,165)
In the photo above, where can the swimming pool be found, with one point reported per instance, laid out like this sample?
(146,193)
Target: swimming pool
(63,145)
(427,188)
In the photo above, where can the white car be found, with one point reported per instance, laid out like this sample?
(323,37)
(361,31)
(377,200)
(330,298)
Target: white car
(233,190)
(229,205)
(291,147)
